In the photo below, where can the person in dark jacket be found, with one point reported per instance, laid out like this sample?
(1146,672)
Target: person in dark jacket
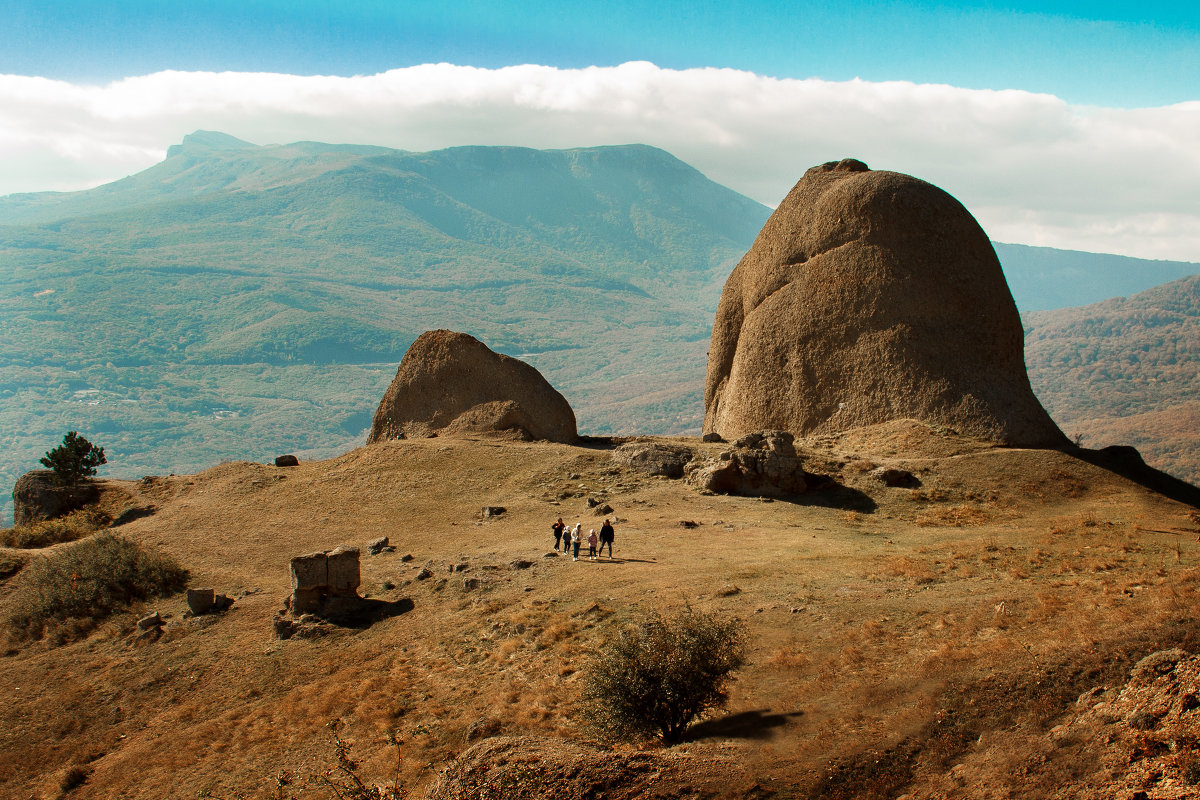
(607,534)
(558,534)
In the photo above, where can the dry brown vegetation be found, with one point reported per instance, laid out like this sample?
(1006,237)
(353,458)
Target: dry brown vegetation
(888,643)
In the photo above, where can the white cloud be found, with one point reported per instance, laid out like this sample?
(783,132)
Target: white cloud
(1031,167)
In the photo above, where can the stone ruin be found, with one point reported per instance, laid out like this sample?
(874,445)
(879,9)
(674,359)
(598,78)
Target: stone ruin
(325,584)
(763,464)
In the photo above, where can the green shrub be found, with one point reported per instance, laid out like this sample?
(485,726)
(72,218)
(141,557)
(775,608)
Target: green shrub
(66,528)
(75,588)
(660,675)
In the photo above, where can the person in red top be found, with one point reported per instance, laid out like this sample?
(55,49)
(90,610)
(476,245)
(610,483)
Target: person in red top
(558,534)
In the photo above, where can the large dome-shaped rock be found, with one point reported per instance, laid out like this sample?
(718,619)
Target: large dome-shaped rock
(870,296)
(451,381)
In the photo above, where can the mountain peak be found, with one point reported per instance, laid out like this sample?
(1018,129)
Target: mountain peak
(202,142)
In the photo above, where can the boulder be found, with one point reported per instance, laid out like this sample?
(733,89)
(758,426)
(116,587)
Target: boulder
(380,545)
(287,461)
(451,382)
(892,476)
(760,464)
(201,601)
(38,495)
(653,458)
(870,296)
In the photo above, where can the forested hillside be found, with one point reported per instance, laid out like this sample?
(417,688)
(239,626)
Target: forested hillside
(1125,371)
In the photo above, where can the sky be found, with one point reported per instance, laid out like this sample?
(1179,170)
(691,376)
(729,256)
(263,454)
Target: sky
(1065,124)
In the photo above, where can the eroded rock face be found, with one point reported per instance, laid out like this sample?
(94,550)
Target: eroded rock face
(870,296)
(760,464)
(452,382)
(653,458)
(38,495)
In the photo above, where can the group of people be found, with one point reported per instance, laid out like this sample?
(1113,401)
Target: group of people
(571,538)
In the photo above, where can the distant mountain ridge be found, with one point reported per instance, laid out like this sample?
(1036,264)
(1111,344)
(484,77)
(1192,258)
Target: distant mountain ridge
(236,300)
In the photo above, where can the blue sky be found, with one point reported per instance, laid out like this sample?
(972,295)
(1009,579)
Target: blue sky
(1061,124)
(1107,53)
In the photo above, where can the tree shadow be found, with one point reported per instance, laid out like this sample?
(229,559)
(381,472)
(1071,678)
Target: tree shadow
(758,724)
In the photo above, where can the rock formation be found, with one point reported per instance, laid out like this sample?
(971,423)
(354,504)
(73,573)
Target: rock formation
(452,382)
(38,495)
(325,584)
(760,464)
(870,296)
(653,458)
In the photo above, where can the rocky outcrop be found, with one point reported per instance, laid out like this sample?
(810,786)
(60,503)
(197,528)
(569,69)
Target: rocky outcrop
(870,296)
(326,584)
(451,382)
(38,495)
(653,458)
(761,464)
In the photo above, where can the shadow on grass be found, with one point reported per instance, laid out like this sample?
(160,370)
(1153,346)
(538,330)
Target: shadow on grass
(1127,462)
(759,724)
(367,612)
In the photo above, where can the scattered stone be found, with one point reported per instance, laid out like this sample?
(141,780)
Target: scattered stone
(760,464)
(711,437)
(406,557)
(687,523)
(652,458)
(470,584)
(520,563)
(424,574)
(728,590)
(459,567)
(492,511)
(452,382)
(150,621)
(380,545)
(592,502)
(860,303)
(602,510)
(288,460)
(550,554)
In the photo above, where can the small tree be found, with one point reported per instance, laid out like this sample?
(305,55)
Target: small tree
(75,458)
(660,675)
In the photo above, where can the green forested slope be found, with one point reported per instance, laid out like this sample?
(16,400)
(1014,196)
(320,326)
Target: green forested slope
(236,301)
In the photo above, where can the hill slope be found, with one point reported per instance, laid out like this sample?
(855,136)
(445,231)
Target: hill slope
(932,627)
(237,301)
(1125,371)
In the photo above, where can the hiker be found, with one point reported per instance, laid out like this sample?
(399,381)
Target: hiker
(558,533)
(592,544)
(607,535)
(575,536)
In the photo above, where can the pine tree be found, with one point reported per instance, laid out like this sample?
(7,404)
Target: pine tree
(75,458)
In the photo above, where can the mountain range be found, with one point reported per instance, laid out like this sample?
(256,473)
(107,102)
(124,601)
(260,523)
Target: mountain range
(238,301)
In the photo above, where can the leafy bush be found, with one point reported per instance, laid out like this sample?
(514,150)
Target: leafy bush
(663,673)
(75,458)
(77,587)
(67,528)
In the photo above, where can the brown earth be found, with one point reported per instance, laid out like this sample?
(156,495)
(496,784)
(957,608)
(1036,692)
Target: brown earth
(894,633)
(870,296)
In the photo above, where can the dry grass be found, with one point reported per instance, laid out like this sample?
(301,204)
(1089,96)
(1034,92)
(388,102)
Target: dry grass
(67,528)
(857,643)
(953,516)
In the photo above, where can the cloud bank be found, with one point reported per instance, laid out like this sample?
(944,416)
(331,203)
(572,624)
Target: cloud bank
(1032,168)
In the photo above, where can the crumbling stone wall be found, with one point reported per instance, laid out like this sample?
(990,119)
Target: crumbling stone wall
(325,584)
